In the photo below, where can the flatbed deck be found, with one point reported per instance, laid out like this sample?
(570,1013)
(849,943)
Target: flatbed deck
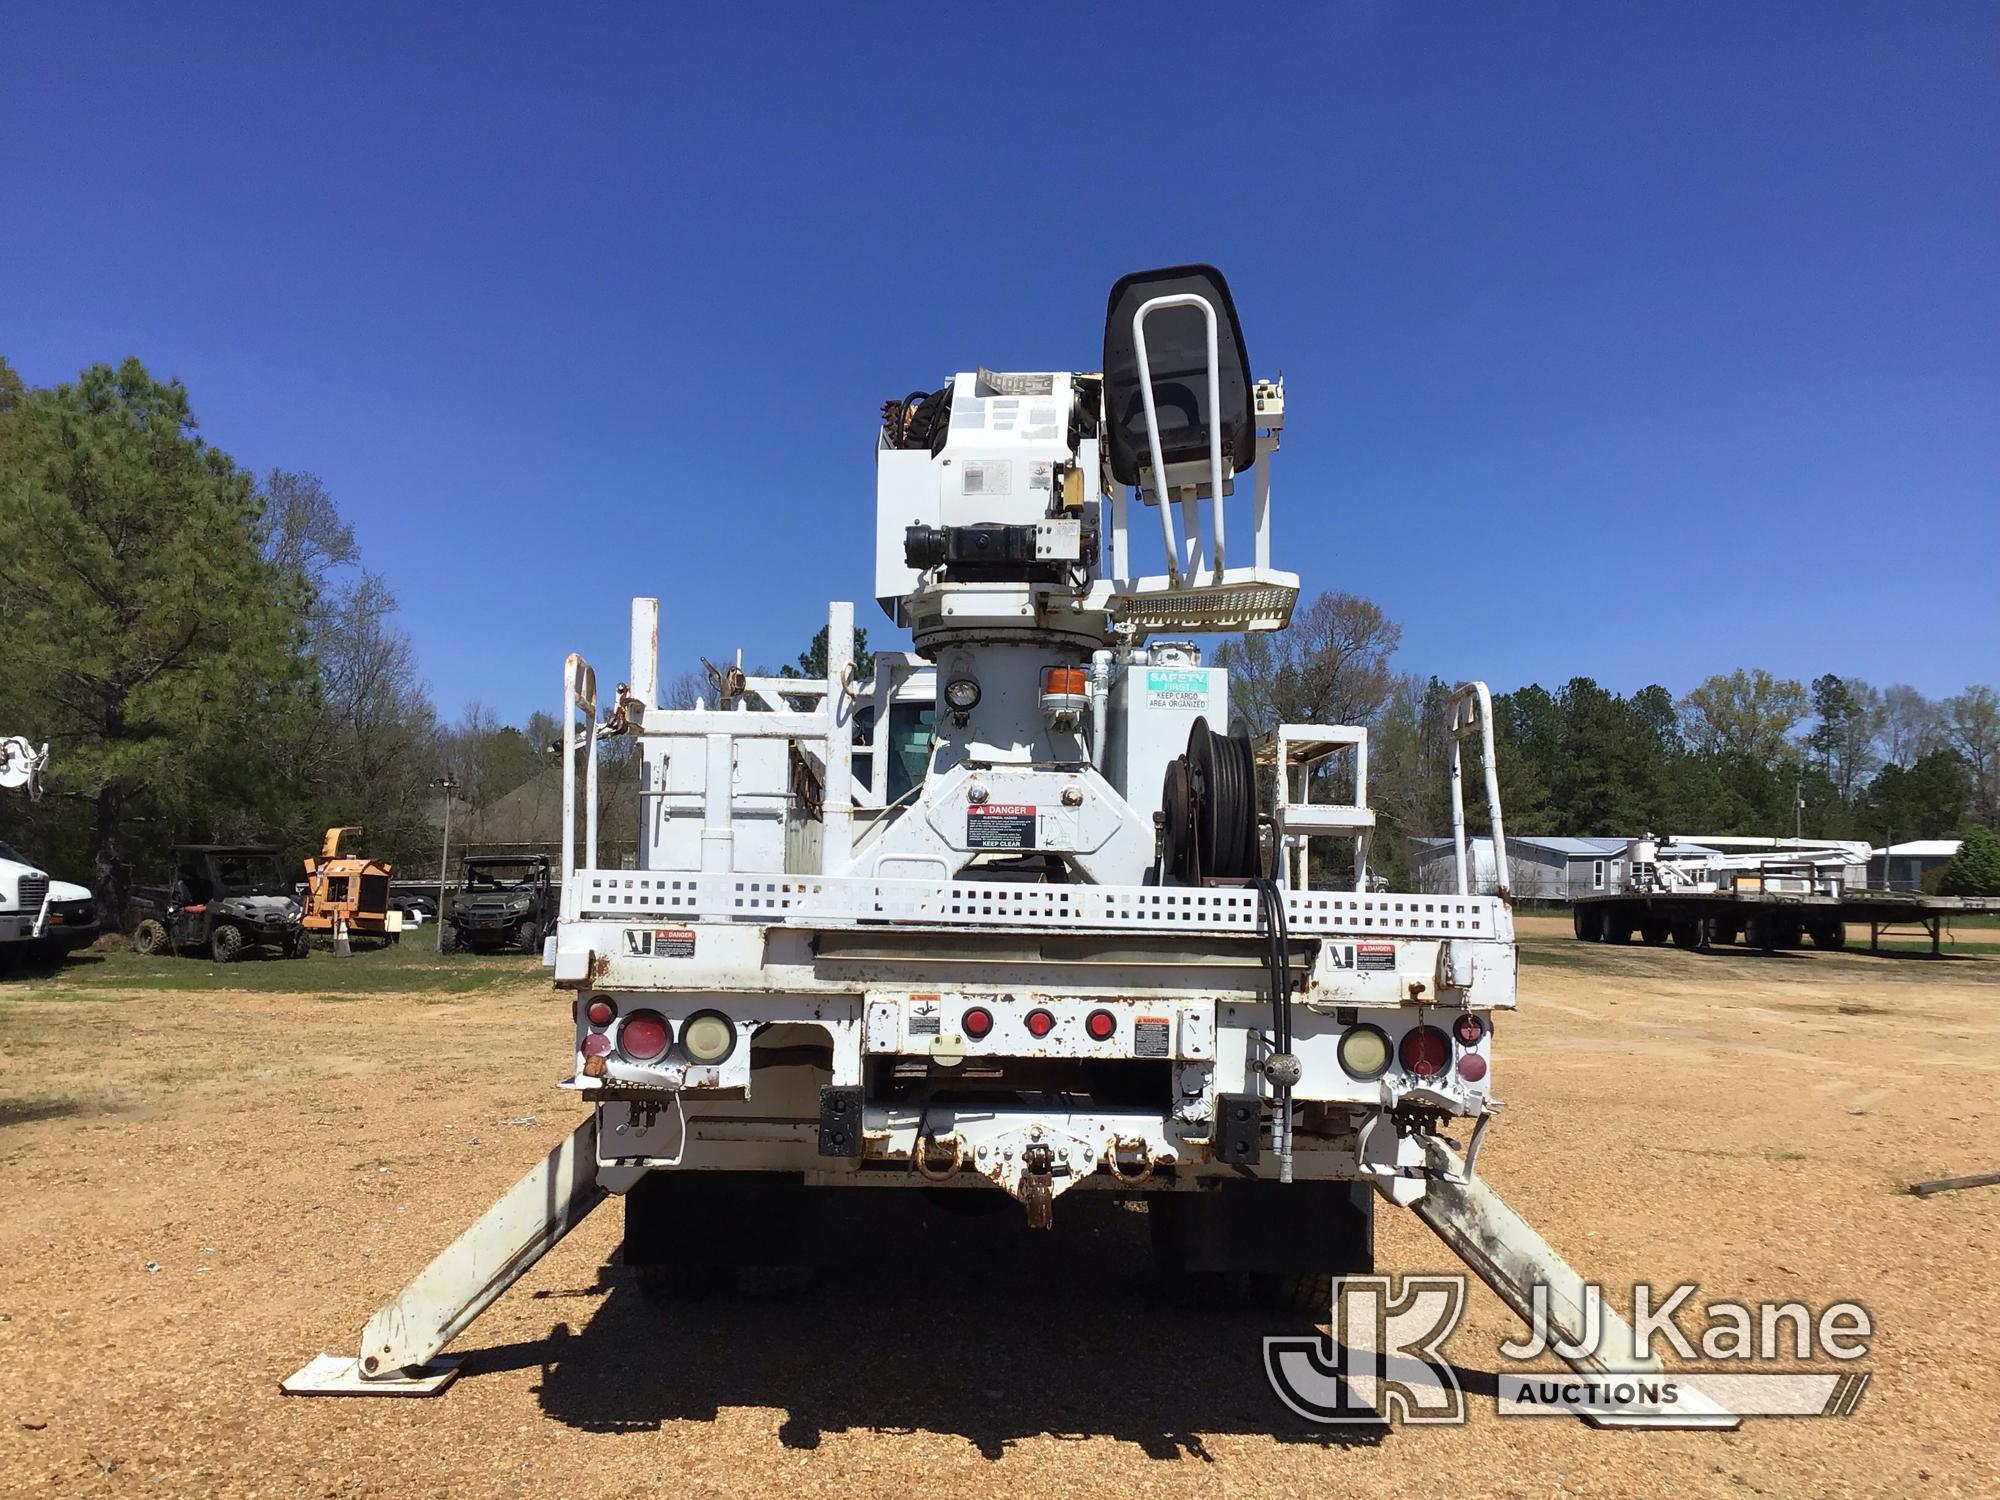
(1767,919)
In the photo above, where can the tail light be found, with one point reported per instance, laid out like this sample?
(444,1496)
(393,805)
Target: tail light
(595,1045)
(602,1012)
(1468,1028)
(976,1022)
(1471,1067)
(1039,1022)
(1364,1051)
(708,1036)
(1426,1051)
(1100,1024)
(644,1036)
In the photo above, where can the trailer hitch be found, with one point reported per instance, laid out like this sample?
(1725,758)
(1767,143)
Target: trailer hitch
(1038,1194)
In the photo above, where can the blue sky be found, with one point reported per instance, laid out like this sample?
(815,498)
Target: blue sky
(1635,341)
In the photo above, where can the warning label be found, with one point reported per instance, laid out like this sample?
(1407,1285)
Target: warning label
(926,1015)
(1149,1037)
(999,825)
(659,942)
(1374,956)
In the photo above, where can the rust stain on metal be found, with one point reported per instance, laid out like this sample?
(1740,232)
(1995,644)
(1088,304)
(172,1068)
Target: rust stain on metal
(1145,1166)
(920,1157)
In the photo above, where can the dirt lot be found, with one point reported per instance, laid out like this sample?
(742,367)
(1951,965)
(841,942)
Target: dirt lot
(201,1186)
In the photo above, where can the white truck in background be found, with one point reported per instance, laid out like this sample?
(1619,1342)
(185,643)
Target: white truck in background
(40,917)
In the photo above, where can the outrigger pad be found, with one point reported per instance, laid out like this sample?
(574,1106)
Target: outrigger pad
(335,1375)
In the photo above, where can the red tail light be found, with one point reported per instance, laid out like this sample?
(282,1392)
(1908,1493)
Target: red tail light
(1472,1067)
(643,1037)
(1040,1022)
(976,1022)
(1100,1024)
(1468,1028)
(1426,1051)
(601,1012)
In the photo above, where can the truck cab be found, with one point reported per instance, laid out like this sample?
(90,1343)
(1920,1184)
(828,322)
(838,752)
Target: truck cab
(41,918)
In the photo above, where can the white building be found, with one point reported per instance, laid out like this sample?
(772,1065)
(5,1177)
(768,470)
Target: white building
(1902,867)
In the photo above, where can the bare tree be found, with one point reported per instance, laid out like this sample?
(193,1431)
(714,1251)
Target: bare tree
(1910,728)
(1331,666)
(1972,726)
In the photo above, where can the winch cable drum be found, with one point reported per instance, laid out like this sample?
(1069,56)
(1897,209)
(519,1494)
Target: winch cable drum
(1209,807)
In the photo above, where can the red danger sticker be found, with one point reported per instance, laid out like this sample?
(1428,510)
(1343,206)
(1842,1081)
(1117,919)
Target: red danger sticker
(1374,955)
(999,825)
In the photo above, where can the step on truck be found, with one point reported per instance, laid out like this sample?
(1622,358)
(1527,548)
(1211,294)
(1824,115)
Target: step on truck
(1089,949)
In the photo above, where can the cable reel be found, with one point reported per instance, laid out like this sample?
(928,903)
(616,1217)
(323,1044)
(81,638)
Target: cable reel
(1209,807)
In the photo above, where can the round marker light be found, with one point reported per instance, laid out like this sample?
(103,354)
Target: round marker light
(1426,1051)
(1472,1067)
(1100,1024)
(1468,1028)
(643,1037)
(1364,1051)
(595,1045)
(977,1022)
(1039,1022)
(962,693)
(708,1036)
(602,1012)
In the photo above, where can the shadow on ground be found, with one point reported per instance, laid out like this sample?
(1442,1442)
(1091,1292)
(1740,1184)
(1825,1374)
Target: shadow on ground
(981,1331)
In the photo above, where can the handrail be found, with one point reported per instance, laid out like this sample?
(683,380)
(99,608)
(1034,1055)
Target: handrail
(579,692)
(1470,708)
(1190,513)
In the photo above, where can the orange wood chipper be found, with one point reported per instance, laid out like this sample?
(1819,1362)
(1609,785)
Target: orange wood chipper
(349,890)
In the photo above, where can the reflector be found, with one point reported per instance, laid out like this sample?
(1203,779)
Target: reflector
(1040,1022)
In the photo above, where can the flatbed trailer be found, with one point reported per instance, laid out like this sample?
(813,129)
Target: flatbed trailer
(1764,919)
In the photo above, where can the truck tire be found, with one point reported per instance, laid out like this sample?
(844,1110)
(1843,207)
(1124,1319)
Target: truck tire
(1587,924)
(225,944)
(688,1235)
(1280,1244)
(149,937)
(1830,935)
(1688,935)
(1617,925)
(1655,931)
(529,937)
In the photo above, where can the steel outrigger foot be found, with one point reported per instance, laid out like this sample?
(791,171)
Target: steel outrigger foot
(400,1344)
(1511,1258)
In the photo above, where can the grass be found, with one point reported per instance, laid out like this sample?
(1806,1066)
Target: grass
(412,966)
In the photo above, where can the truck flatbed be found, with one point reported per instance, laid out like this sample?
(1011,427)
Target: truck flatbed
(1766,919)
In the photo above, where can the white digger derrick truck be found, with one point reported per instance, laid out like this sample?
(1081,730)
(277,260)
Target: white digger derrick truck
(1076,951)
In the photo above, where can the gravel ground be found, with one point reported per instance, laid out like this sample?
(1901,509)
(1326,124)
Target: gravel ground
(199,1190)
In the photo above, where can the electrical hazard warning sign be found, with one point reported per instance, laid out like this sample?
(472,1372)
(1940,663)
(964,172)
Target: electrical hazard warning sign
(999,825)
